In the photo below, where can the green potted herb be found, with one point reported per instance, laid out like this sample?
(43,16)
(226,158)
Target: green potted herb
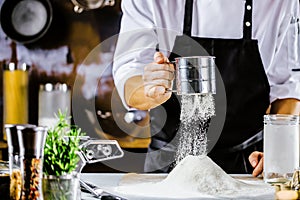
(60,179)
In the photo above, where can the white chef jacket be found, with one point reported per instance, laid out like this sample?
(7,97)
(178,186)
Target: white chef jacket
(275,24)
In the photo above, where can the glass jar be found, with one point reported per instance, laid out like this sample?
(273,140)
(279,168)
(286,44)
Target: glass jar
(53,97)
(65,187)
(281,147)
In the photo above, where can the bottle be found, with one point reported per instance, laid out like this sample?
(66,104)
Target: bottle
(15,91)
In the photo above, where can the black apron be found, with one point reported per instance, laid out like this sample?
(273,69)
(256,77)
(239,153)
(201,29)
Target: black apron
(247,93)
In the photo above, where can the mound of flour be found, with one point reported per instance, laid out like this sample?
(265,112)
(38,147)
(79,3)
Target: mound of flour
(197,177)
(201,174)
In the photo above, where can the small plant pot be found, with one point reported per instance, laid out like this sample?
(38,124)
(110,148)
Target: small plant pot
(65,187)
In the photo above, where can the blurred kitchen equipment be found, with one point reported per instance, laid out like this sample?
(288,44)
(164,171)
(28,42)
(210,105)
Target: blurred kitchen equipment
(281,147)
(94,150)
(80,5)
(135,116)
(53,97)
(195,75)
(14,160)
(25,21)
(15,91)
(31,142)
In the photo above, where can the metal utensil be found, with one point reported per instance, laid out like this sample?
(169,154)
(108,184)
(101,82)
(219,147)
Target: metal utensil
(87,188)
(98,192)
(97,150)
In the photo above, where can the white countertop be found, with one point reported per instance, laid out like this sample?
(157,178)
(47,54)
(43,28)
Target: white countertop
(109,181)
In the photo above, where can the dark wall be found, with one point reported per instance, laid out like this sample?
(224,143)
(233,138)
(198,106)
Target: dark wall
(100,114)
(81,33)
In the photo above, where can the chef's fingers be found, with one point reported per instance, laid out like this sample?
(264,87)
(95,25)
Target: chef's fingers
(158,77)
(157,87)
(259,168)
(159,67)
(254,158)
(155,92)
(149,76)
(256,161)
(167,84)
(159,58)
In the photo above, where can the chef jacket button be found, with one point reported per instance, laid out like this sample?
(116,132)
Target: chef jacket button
(248,7)
(248,24)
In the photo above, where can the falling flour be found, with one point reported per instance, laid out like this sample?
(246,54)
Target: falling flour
(196,113)
(197,177)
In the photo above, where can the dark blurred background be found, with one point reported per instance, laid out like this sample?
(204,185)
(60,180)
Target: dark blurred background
(62,54)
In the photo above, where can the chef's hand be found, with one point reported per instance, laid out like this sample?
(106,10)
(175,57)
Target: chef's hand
(256,160)
(158,78)
(151,89)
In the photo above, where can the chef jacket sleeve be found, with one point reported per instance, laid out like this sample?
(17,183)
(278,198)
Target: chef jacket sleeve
(284,73)
(136,43)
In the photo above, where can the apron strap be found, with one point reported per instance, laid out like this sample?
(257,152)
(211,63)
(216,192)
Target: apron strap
(247,23)
(188,15)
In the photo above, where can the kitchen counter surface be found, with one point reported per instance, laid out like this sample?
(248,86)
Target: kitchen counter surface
(109,181)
